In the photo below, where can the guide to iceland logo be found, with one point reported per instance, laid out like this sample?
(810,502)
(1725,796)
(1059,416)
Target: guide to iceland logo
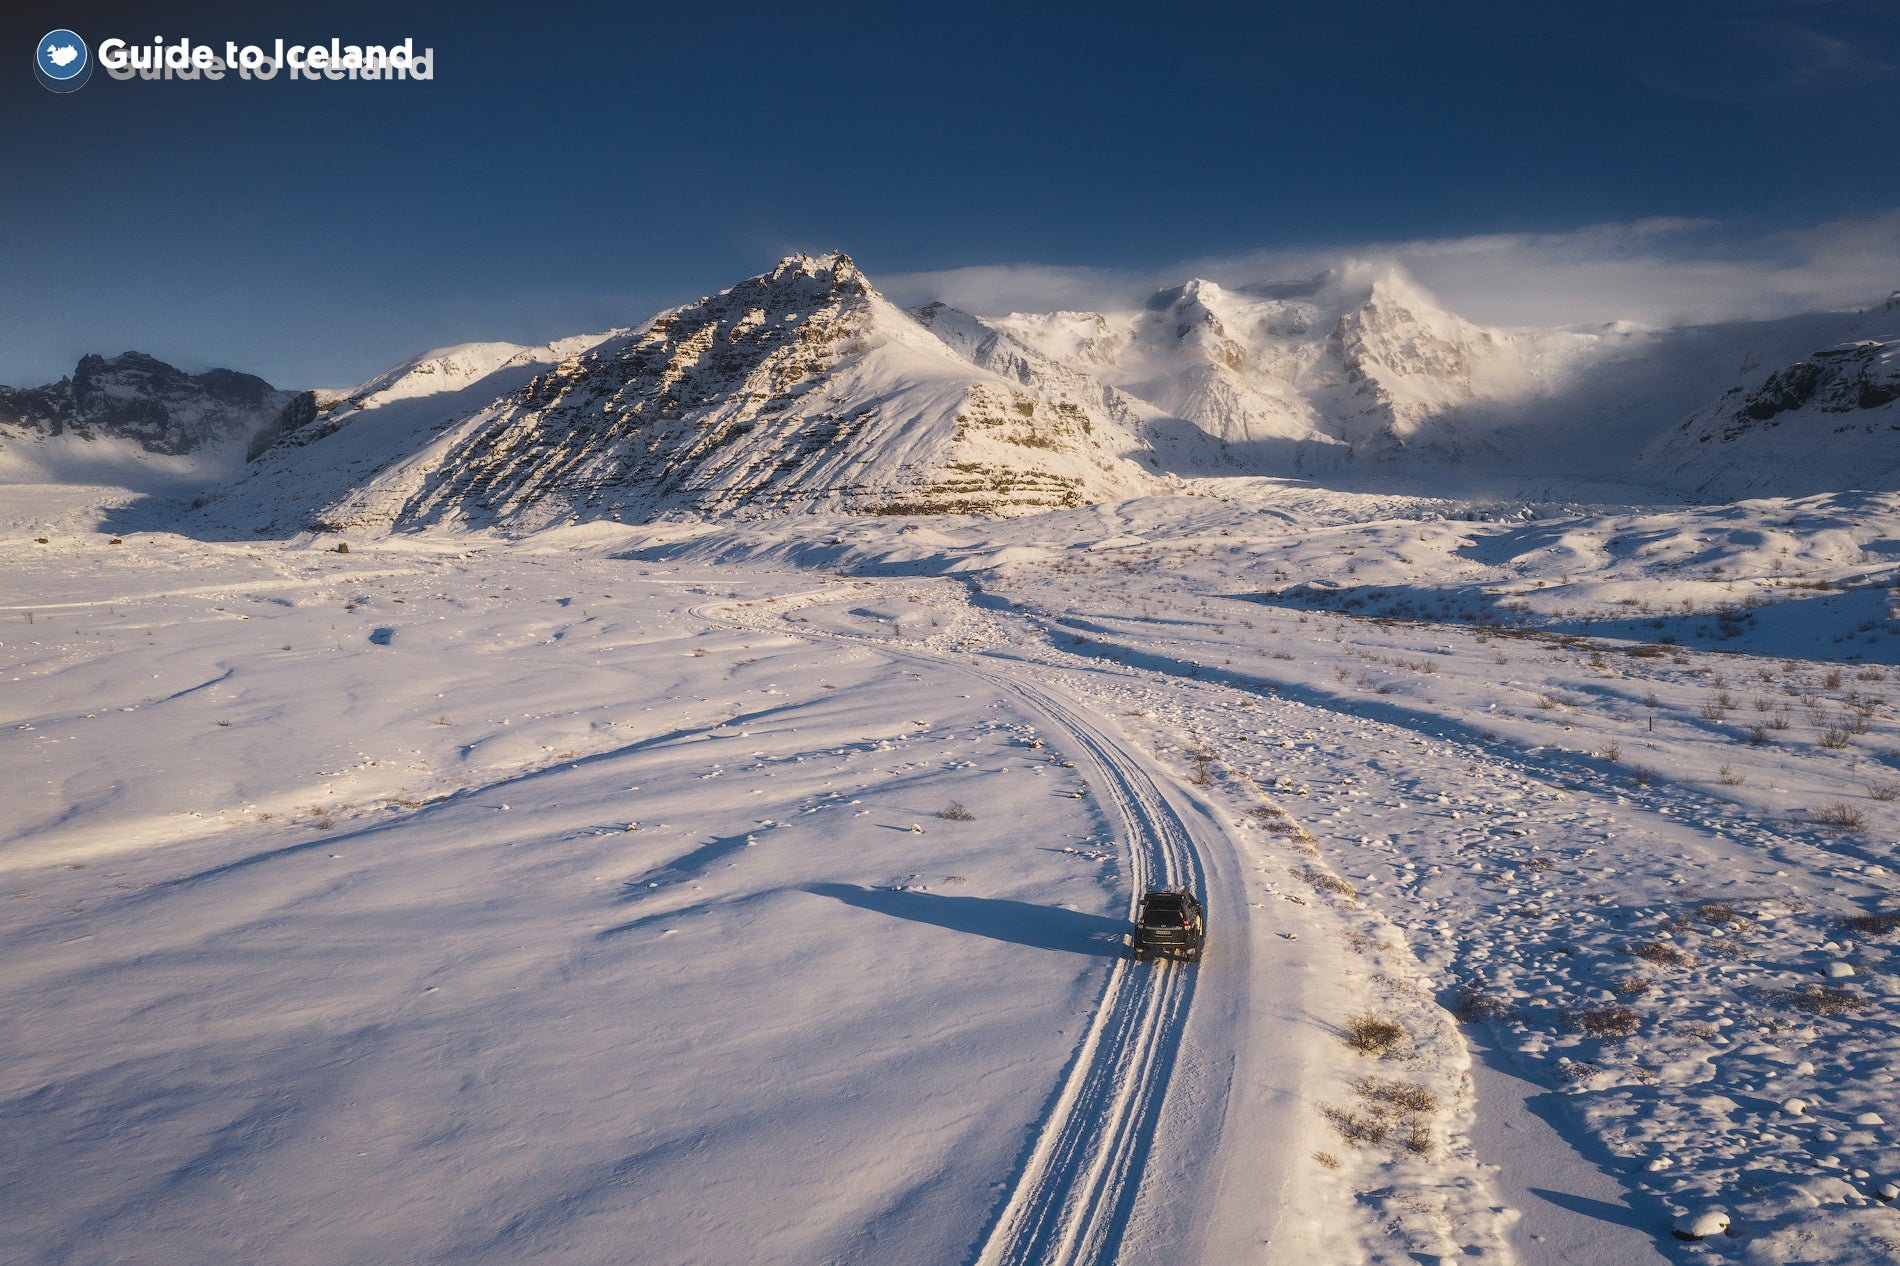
(61,61)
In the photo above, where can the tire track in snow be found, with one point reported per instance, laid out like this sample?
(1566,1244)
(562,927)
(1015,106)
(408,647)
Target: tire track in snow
(1071,1201)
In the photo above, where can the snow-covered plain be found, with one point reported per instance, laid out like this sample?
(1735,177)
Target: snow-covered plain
(608,894)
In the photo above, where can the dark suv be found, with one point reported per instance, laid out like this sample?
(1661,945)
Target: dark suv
(1170,922)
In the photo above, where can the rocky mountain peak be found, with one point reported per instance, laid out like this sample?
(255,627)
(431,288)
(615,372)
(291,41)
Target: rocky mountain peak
(801,389)
(137,397)
(813,276)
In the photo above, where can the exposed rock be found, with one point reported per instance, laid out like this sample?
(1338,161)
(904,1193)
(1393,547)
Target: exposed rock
(139,398)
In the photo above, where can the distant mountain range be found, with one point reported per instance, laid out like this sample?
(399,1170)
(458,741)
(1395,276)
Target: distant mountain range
(804,389)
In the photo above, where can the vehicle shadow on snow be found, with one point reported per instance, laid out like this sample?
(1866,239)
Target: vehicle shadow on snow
(1014,922)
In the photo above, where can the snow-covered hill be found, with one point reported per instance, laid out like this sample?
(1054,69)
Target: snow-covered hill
(130,418)
(1828,420)
(801,389)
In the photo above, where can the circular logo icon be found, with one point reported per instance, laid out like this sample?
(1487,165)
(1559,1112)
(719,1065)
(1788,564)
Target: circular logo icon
(61,61)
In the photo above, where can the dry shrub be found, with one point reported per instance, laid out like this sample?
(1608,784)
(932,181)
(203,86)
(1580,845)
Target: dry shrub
(1815,999)
(1371,1034)
(1872,924)
(1325,881)
(1717,912)
(1663,955)
(1326,1159)
(1634,986)
(1387,1096)
(1473,1004)
(1604,1022)
(955,812)
(1355,1129)
(1845,816)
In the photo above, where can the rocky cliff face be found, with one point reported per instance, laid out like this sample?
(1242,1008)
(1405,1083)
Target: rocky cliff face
(138,398)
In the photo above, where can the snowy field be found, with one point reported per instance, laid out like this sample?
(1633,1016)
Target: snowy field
(684,895)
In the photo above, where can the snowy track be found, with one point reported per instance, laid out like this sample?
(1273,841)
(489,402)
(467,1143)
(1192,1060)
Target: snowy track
(1071,1200)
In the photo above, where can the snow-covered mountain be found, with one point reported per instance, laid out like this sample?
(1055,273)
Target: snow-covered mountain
(1300,378)
(804,389)
(1803,427)
(801,389)
(1360,369)
(109,410)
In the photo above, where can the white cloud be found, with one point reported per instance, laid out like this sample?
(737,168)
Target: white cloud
(1655,272)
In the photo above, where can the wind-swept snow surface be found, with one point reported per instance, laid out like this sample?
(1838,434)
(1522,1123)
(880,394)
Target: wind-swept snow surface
(763,889)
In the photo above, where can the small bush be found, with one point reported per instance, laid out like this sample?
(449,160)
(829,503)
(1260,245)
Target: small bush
(1370,1034)
(1834,739)
(1395,1096)
(1717,912)
(1883,791)
(1872,924)
(1325,881)
(1816,999)
(1604,1022)
(1355,1129)
(1634,986)
(1662,955)
(1326,1160)
(1845,816)
(1642,775)
(1473,1004)
(1418,1139)
(955,812)
(1727,776)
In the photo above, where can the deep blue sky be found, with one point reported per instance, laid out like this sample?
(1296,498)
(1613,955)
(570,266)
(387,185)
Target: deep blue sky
(567,172)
